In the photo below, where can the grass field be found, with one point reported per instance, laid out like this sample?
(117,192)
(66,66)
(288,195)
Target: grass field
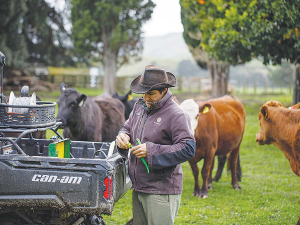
(270,190)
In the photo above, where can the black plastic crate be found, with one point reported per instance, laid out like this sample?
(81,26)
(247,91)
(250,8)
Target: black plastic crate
(78,149)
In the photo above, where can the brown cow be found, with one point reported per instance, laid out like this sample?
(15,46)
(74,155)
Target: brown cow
(220,129)
(281,127)
(192,109)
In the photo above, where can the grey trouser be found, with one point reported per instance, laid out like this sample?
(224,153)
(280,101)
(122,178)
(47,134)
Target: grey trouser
(150,209)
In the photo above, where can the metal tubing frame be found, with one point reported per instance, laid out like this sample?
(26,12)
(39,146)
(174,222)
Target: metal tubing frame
(23,132)
(1,94)
(46,104)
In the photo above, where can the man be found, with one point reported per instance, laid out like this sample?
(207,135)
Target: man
(167,141)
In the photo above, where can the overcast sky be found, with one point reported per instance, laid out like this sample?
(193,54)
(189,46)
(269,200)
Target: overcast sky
(165,19)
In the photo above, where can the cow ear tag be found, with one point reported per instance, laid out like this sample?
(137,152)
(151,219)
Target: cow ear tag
(129,98)
(81,102)
(205,110)
(266,116)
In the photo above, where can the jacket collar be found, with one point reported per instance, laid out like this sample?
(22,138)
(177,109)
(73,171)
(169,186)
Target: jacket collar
(156,105)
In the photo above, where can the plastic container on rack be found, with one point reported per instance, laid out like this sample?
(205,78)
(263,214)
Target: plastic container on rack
(40,115)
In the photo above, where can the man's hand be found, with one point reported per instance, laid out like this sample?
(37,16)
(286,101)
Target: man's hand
(140,151)
(123,140)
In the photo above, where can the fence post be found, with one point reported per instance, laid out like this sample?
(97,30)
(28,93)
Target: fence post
(254,87)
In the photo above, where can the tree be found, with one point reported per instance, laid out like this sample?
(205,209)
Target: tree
(33,31)
(241,30)
(12,42)
(109,32)
(47,40)
(236,31)
(219,71)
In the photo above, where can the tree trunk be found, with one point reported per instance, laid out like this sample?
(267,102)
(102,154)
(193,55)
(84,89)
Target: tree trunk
(219,78)
(220,84)
(226,79)
(296,76)
(211,68)
(223,75)
(110,65)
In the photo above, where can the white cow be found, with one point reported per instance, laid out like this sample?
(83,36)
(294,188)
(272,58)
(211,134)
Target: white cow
(192,109)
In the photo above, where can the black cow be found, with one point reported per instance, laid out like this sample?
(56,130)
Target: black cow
(87,119)
(128,102)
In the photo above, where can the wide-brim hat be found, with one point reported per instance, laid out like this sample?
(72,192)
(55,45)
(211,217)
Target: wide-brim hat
(153,78)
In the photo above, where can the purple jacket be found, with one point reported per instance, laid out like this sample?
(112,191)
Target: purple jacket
(167,132)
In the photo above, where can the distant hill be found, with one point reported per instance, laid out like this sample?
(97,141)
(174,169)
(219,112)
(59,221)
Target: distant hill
(164,51)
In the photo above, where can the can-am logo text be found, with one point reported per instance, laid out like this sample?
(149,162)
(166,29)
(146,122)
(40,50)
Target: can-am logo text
(53,179)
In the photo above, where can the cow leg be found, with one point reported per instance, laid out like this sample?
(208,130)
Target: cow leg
(221,163)
(210,174)
(193,164)
(233,164)
(239,169)
(205,172)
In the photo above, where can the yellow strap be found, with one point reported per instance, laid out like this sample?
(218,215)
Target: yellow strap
(61,149)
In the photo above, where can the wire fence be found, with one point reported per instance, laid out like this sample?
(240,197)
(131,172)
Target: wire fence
(184,84)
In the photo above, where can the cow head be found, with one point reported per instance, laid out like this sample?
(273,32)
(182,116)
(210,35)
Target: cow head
(69,103)
(123,98)
(192,109)
(127,100)
(265,134)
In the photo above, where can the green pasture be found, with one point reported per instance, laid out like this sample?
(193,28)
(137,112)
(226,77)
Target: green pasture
(270,190)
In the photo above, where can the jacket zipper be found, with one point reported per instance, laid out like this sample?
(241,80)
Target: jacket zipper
(142,129)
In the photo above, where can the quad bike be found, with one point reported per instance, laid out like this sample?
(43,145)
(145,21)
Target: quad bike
(37,188)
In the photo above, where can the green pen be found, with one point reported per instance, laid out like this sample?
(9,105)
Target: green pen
(143,160)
